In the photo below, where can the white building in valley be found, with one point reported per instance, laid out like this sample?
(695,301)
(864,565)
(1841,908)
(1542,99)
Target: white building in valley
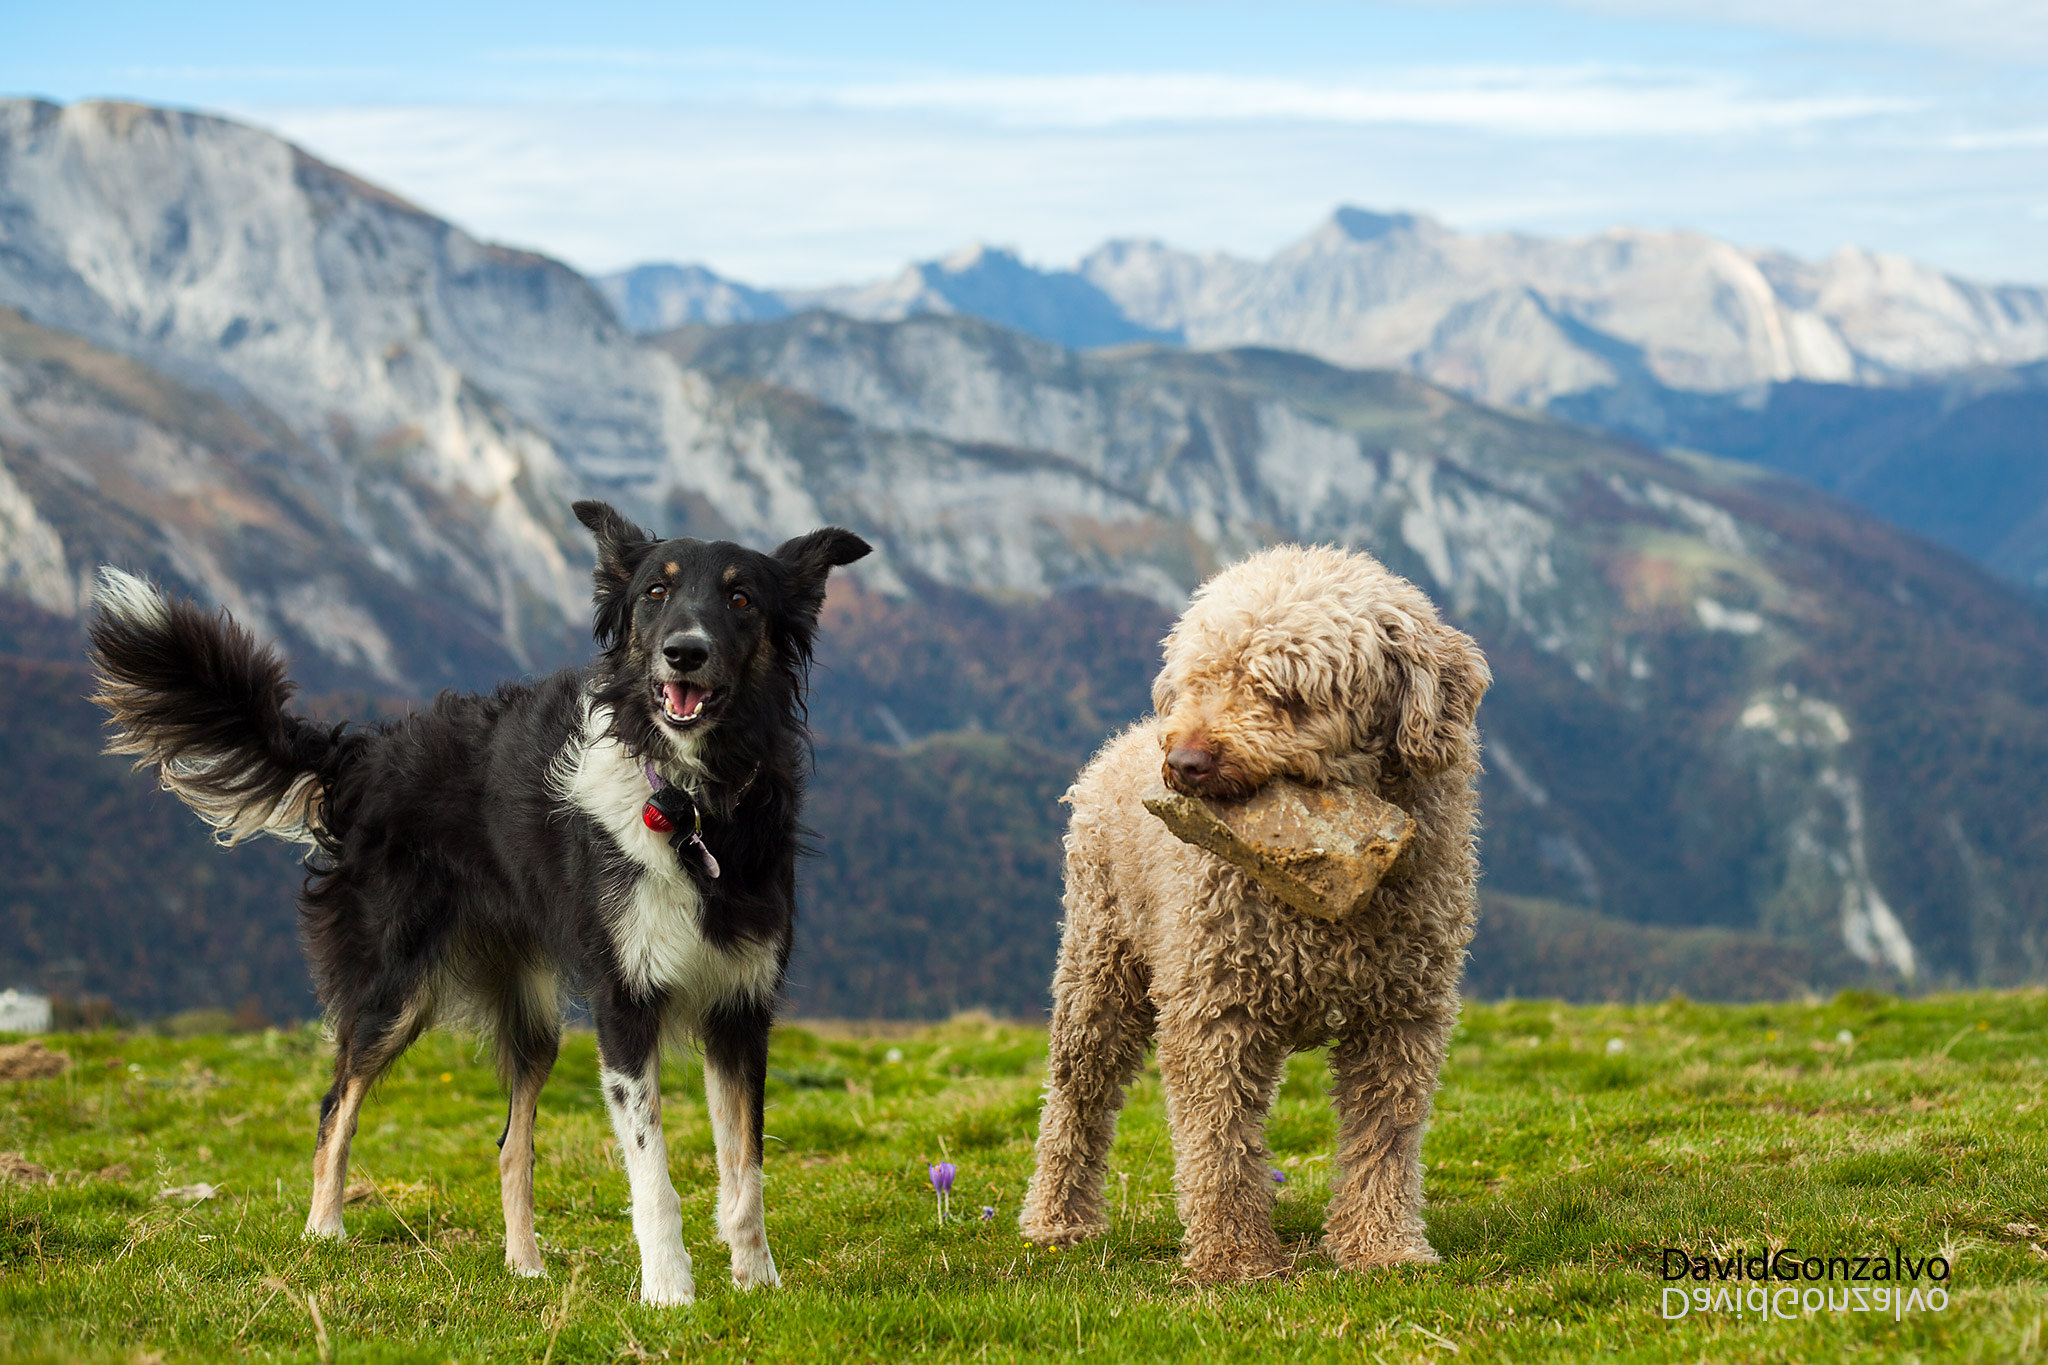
(24,1012)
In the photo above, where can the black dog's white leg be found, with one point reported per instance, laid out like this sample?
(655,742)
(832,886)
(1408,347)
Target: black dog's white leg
(629,1038)
(364,1047)
(735,1079)
(528,1034)
(330,1155)
(515,1177)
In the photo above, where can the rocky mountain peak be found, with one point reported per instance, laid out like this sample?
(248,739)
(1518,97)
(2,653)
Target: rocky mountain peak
(656,298)
(1365,225)
(981,256)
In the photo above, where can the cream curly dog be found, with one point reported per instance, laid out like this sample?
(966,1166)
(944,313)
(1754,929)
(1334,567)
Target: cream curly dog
(1321,666)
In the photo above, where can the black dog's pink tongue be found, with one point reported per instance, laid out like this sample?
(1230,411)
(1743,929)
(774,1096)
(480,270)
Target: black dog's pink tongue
(683,701)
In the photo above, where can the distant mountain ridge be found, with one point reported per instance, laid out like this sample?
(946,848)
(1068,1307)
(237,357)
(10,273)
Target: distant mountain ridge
(1726,701)
(1669,337)
(1501,317)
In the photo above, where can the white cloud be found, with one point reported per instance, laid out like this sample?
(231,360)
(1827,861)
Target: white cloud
(1996,139)
(816,196)
(2006,31)
(1540,101)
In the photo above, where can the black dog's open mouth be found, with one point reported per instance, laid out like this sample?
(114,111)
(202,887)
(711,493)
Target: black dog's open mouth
(681,704)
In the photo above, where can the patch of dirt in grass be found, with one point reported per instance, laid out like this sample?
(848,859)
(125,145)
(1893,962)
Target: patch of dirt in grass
(16,1169)
(31,1061)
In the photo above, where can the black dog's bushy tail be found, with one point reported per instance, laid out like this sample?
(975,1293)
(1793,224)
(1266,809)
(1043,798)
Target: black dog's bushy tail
(193,693)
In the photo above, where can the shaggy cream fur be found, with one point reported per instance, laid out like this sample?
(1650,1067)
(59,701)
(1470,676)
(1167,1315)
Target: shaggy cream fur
(1322,666)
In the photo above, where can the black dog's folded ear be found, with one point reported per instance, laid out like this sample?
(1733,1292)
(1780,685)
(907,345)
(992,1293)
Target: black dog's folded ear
(620,547)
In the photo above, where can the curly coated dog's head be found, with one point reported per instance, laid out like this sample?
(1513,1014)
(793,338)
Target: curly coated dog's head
(1314,664)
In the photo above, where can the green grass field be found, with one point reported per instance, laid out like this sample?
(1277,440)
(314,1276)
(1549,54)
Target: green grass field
(1570,1145)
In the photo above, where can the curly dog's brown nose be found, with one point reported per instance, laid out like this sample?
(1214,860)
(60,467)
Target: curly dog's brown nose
(1192,765)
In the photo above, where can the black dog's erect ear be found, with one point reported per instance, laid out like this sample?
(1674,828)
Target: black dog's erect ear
(809,558)
(620,547)
(619,542)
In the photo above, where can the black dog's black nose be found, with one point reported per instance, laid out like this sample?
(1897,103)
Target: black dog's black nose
(685,652)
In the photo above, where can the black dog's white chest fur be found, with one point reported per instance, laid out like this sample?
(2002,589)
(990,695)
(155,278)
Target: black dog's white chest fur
(656,926)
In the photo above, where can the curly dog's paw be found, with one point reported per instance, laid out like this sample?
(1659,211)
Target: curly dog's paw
(1060,1233)
(1361,1254)
(1230,1264)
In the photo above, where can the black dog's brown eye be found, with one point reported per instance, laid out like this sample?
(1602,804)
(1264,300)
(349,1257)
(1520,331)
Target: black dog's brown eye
(739,601)
(658,591)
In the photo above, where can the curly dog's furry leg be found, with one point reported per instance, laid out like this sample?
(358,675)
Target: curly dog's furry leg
(1100,1026)
(1385,1078)
(1220,1074)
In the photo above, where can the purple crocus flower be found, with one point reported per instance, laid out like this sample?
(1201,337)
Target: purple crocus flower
(987,1213)
(942,1184)
(1279,1176)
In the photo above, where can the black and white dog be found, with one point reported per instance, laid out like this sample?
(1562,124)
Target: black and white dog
(627,833)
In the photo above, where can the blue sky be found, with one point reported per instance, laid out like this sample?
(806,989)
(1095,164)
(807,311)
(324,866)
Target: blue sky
(802,144)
